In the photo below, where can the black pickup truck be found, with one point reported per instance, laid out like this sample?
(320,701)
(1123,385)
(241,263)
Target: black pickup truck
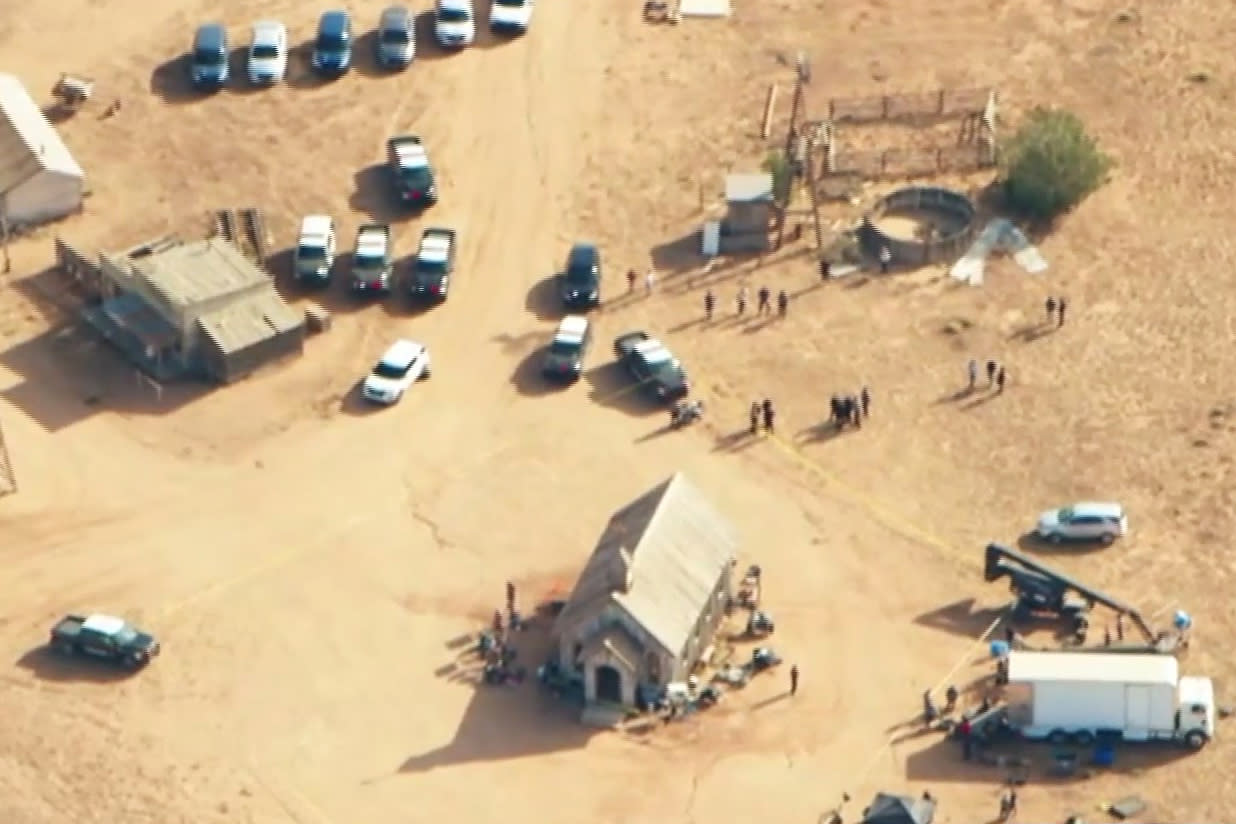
(103,637)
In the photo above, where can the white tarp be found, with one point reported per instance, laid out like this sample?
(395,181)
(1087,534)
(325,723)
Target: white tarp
(998,235)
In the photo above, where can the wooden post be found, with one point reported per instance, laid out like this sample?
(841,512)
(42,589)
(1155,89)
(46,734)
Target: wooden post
(813,194)
(769,102)
(4,232)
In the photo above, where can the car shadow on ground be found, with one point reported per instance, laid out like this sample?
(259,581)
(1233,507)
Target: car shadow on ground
(70,373)
(610,385)
(238,72)
(543,301)
(529,380)
(365,57)
(46,665)
(961,617)
(373,197)
(170,81)
(1030,542)
(300,74)
(502,722)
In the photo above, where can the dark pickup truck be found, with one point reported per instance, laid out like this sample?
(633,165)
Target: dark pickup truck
(652,366)
(104,637)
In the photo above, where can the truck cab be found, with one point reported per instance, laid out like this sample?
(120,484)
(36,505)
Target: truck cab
(1196,713)
(434,264)
(315,250)
(371,260)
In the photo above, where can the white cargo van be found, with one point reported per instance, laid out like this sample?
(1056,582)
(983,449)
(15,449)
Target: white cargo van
(1078,696)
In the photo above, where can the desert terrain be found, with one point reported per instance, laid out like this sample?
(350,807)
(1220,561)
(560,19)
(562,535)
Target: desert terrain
(306,563)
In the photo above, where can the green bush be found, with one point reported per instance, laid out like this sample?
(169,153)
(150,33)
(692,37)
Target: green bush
(778,165)
(1050,164)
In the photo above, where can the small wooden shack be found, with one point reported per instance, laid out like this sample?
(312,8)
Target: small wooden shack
(749,212)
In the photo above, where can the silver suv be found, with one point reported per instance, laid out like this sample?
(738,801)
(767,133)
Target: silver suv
(1086,521)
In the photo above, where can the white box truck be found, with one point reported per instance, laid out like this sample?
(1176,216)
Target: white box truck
(1078,696)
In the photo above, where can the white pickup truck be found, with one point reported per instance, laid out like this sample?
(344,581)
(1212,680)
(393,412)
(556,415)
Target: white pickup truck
(315,250)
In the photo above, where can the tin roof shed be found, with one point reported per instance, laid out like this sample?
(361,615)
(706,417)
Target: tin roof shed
(749,188)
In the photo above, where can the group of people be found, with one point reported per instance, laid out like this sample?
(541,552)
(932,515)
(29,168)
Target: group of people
(762,412)
(763,306)
(996,376)
(850,409)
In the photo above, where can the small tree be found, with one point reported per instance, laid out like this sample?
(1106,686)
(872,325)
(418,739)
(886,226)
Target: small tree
(1050,164)
(778,165)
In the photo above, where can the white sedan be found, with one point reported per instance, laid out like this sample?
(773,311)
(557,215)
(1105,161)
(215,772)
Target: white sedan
(511,16)
(1087,521)
(403,364)
(268,53)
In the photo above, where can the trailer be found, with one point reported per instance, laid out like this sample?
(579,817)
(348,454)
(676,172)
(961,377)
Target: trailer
(1073,697)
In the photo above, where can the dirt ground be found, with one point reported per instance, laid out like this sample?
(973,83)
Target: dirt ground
(307,564)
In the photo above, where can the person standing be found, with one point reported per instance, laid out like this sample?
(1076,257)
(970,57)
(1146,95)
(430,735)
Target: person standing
(794,680)
(886,259)
(1061,305)
(864,401)
(1000,379)
(783,303)
(631,280)
(991,373)
(756,412)
(972,373)
(763,306)
(710,303)
(826,268)
(742,301)
(769,416)
(1050,306)
(510,596)
(650,280)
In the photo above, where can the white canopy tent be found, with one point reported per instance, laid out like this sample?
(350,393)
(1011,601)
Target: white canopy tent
(39,178)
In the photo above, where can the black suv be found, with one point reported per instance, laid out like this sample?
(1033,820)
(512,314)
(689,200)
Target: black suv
(652,365)
(208,67)
(332,48)
(581,280)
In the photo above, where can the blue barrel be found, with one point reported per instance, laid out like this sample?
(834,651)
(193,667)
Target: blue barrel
(999,649)
(1182,620)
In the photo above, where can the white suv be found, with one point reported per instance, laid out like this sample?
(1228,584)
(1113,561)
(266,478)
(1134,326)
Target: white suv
(454,23)
(1087,521)
(268,53)
(404,363)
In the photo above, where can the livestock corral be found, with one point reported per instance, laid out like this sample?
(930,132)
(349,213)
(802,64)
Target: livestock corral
(874,454)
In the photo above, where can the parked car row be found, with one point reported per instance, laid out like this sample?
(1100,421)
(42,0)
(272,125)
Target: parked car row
(372,269)
(454,26)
